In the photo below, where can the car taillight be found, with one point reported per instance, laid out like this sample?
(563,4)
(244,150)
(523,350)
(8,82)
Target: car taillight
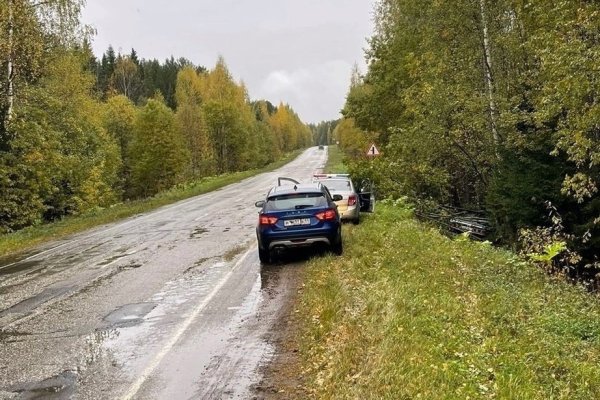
(351,200)
(267,220)
(327,215)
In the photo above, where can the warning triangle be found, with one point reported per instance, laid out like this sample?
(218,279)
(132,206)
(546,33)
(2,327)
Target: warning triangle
(373,151)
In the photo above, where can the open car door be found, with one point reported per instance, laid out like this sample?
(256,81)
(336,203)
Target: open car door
(367,196)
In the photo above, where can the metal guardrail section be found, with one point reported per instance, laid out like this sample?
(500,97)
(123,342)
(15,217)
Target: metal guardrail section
(457,221)
(473,225)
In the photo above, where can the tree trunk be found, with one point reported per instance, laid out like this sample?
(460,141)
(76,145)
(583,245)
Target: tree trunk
(489,81)
(10,92)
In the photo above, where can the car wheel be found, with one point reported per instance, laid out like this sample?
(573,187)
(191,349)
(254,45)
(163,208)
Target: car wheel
(356,220)
(264,256)
(338,247)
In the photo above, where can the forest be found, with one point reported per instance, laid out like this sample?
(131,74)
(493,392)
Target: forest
(79,133)
(480,105)
(491,106)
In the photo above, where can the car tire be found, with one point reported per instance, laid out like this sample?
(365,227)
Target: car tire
(338,247)
(264,256)
(356,220)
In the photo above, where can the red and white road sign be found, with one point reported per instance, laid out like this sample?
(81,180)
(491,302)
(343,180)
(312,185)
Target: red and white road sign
(373,151)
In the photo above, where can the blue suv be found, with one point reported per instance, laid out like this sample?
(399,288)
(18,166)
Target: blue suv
(297,215)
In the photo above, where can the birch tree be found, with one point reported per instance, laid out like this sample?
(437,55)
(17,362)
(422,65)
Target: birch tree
(125,78)
(30,29)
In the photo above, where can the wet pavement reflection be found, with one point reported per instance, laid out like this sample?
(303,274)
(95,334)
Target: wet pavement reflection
(167,305)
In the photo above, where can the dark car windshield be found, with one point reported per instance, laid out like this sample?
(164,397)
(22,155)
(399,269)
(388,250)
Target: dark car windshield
(337,184)
(295,201)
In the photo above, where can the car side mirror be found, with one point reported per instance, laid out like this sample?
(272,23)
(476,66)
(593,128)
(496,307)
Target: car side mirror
(259,203)
(337,197)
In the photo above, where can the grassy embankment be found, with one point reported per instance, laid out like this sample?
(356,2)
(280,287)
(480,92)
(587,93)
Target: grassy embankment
(335,161)
(29,237)
(408,313)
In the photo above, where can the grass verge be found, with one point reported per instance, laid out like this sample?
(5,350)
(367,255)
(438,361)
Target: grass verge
(27,238)
(335,161)
(408,313)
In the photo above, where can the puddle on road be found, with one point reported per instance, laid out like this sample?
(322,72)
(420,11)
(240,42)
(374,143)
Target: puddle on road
(229,355)
(236,360)
(129,315)
(58,387)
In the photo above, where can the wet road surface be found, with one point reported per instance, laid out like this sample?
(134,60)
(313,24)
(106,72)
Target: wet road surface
(172,304)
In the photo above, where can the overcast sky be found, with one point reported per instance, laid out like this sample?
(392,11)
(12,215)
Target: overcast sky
(297,51)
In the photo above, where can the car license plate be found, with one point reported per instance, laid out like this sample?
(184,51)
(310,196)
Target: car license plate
(296,222)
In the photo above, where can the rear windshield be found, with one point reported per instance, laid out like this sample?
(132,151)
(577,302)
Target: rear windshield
(340,185)
(295,201)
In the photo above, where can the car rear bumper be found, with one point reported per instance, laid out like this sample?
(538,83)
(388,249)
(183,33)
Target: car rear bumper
(350,213)
(300,242)
(270,240)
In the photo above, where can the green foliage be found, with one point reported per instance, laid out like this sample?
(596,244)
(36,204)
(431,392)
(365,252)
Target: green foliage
(64,152)
(125,78)
(289,131)
(421,99)
(482,104)
(323,132)
(354,142)
(22,184)
(228,118)
(158,153)
(119,119)
(521,183)
(68,163)
(192,124)
(31,236)
(335,161)
(550,252)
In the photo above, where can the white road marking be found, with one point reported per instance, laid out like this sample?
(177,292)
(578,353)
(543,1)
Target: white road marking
(182,328)
(201,217)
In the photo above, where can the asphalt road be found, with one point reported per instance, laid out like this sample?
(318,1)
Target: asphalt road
(172,304)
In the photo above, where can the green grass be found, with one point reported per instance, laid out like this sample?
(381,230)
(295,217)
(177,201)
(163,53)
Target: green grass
(408,313)
(335,161)
(27,238)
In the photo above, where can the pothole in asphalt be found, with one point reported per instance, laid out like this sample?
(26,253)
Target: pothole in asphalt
(19,267)
(129,315)
(111,259)
(61,386)
(131,265)
(31,303)
(198,232)
(10,336)
(231,253)
(196,265)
